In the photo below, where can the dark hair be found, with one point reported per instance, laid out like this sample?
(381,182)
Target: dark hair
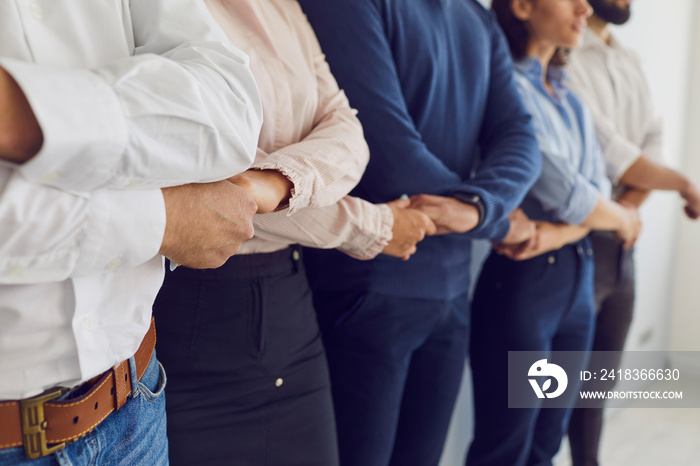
(517,35)
(513,28)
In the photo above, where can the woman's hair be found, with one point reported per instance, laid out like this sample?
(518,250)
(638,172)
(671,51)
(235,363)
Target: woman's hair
(513,28)
(517,35)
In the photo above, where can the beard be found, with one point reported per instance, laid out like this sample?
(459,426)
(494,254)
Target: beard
(609,12)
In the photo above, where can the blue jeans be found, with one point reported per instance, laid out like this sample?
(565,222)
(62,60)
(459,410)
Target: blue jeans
(134,435)
(541,304)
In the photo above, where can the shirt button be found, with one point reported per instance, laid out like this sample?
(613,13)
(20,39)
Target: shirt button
(114,265)
(579,249)
(279,382)
(295,255)
(15,271)
(36,11)
(589,252)
(87,324)
(551,259)
(50,177)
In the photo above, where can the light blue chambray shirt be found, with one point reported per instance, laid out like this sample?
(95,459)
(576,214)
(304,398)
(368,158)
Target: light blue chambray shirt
(573,168)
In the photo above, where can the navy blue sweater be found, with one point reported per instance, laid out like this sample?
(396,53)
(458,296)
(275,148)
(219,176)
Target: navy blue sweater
(432,81)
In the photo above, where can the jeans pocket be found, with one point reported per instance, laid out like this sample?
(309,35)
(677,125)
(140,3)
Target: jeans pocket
(345,316)
(336,310)
(156,390)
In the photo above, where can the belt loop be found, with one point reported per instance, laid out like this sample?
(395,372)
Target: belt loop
(120,385)
(134,377)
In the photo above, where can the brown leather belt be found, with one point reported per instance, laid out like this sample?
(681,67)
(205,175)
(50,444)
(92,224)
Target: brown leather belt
(38,422)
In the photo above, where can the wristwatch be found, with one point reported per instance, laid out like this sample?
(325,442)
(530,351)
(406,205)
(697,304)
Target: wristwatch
(475,200)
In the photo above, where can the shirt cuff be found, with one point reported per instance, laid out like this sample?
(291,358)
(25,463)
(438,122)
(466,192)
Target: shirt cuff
(620,154)
(82,124)
(491,225)
(125,230)
(582,201)
(654,152)
(497,231)
(374,235)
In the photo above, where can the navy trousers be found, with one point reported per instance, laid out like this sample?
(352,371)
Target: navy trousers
(396,366)
(248,381)
(542,304)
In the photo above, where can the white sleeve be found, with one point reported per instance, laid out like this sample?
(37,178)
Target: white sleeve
(48,235)
(184,109)
(618,151)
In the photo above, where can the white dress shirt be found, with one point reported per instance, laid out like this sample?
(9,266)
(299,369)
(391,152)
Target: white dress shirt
(611,81)
(131,95)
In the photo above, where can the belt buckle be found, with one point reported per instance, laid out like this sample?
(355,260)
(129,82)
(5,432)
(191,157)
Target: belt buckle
(34,424)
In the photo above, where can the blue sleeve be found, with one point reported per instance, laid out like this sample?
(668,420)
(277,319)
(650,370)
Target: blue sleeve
(561,188)
(570,196)
(352,35)
(511,160)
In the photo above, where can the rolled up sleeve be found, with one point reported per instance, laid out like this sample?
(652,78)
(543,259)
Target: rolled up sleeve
(184,109)
(561,190)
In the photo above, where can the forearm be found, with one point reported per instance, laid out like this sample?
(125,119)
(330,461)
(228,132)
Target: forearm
(511,160)
(607,215)
(20,134)
(357,227)
(325,165)
(270,189)
(567,234)
(644,174)
(184,109)
(327,158)
(633,197)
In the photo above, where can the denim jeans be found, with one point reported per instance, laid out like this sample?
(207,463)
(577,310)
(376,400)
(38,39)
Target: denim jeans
(134,435)
(542,304)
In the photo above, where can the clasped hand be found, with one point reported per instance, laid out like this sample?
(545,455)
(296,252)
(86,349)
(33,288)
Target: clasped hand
(545,238)
(426,215)
(207,223)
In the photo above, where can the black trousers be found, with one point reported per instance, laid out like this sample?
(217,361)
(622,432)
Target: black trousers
(614,297)
(248,382)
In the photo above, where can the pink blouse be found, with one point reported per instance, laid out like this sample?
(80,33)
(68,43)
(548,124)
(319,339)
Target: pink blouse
(309,133)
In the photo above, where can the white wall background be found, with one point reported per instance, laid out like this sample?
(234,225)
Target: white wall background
(685,318)
(666,34)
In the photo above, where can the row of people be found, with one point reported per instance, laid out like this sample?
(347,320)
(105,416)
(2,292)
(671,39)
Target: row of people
(252,377)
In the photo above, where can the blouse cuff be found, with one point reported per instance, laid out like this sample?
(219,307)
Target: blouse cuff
(296,201)
(371,240)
